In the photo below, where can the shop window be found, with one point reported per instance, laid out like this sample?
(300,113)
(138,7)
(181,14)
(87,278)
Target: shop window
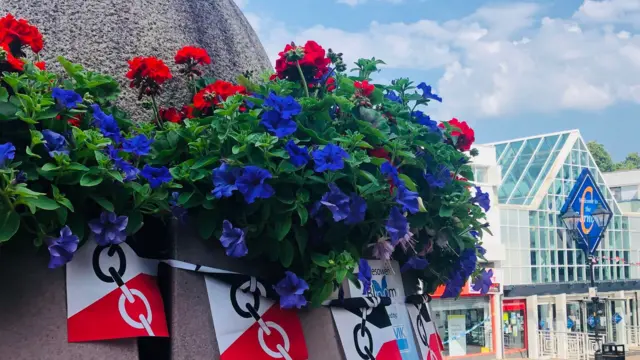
(465,325)
(514,328)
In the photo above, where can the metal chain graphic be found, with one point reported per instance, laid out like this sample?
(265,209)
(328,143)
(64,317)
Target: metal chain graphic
(143,321)
(361,331)
(257,290)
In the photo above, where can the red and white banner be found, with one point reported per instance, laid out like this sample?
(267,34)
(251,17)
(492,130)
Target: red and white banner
(250,326)
(111,294)
(429,341)
(366,333)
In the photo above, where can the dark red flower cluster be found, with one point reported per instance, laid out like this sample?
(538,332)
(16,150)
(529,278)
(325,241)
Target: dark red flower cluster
(314,63)
(147,74)
(176,116)
(330,84)
(17,33)
(13,62)
(380,153)
(465,134)
(40,65)
(364,88)
(216,93)
(192,54)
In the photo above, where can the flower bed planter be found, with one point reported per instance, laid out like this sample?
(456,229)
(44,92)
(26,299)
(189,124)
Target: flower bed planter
(33,320)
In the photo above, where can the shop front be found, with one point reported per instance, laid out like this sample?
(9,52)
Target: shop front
(514,328)
(466,324)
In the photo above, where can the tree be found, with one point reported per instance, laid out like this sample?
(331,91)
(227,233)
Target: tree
(601,156)
(631,162)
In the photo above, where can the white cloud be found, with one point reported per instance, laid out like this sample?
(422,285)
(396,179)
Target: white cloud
(500,60)
(241,3)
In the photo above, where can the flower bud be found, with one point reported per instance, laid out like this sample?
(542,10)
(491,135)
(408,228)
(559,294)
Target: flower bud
(3,54)
(295,54)
(421,205)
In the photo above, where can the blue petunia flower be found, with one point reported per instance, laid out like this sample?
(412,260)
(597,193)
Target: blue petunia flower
(424,119)
(482,282)
(408,199)
(364,275)
(62,248)
(7,153)
(397,226)
(67,99)
(481,199)
(453,286)
(416,263)
(427,93)
(139,145)
(233,240)
(337,202)
(286,106)
(156,176)
(250,104)
(474,233)
(109,228)
(481,250)
(357,210)
(440,178)
(177,211)
(130,172)
(331,158)
(391,173)
(277,125)
(291,290)
(467,262)
(391,95)
(224,180)
(54,143)
(252,184)
(298,155)
(107,124)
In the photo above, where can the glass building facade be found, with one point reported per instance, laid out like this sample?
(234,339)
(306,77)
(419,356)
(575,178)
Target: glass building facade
(538,174)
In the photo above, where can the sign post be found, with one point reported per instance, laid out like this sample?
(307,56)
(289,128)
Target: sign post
(586,216)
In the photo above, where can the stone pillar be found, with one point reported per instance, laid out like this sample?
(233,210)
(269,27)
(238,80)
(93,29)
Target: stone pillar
(532,326)
(496,322)
(33,311)
(561,324)
(103,35)
(620,308)
(190,321)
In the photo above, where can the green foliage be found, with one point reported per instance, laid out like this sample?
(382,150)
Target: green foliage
(292,228)
(606,164)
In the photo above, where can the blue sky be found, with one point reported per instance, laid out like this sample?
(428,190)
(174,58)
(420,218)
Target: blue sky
(509,68)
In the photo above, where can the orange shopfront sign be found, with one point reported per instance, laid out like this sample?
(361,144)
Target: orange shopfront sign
(467,289)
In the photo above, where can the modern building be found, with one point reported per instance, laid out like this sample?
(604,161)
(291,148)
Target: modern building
(542,309)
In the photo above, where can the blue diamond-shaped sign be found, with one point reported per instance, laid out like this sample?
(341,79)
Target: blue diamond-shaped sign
(584,199)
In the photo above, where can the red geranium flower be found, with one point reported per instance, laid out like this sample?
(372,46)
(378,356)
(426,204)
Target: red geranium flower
(314,63)
(18,33)
(14,63)
(147,74)
(40,65)
(192,54)
(364,88)
(465,134)
(171,115)
(216,93)
(330,84)
(187,111)
(380,153)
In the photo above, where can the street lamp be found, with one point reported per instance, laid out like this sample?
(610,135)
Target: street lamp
(571,220)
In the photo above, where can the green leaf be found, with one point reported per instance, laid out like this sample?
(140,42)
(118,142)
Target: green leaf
(205,222)
(9,225)
(104,203)
(446,211)
(8,111)
(320,259)
(24,191)
(135,222)
(30,153)
(408,182)
(44,203)
(205,161)
(66,203)
(4,95)
(340,275)
(62,215)
(90,179)
(303,214)
(286,253)
(302,237)
(282,227)
(322,295)
(77,167)
(50,167)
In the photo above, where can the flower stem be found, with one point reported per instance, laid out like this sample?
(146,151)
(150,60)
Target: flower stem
(155,112)
(302,79)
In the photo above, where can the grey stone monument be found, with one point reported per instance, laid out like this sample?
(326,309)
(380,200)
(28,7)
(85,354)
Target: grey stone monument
(103,34)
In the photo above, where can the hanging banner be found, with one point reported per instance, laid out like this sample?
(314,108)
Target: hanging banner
(112,294)
(365,329)
(429,340)
(248,325)
(386,281)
